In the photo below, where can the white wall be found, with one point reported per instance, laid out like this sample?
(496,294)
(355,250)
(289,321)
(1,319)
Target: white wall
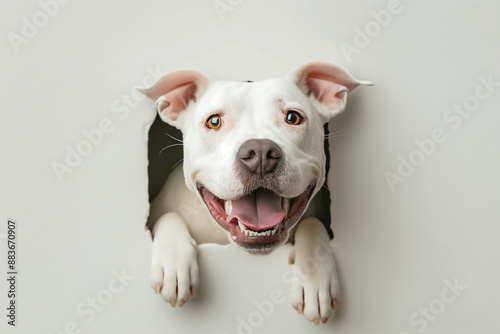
(395,249)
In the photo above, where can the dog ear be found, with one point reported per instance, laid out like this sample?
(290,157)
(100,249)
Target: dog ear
(173,92)
(327,85)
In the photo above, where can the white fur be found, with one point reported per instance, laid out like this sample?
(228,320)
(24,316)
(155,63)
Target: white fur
(249,111)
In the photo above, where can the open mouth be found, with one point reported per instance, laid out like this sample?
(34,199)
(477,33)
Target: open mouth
(259,221)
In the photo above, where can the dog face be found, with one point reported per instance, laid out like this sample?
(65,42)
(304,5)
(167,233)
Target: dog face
(253,151)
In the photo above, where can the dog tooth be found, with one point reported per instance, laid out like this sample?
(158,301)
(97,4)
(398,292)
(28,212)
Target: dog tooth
(273,231)
(242,227)
(285,204)
(228,206)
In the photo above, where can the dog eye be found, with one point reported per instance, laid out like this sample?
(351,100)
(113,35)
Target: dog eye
(293,118)
(214,122)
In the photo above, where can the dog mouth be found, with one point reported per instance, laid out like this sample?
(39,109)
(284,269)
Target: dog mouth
(258,221)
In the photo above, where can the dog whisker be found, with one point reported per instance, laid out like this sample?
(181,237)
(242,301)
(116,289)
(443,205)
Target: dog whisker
(337,136)
(163,149)
(178,162)
(338,131)
(180,141)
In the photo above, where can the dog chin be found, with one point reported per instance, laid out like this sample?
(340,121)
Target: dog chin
(260,221)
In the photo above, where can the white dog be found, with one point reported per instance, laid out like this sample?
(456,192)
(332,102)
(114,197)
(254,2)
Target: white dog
(254,156)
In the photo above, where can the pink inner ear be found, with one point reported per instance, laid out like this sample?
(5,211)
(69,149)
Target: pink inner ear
(173,92)
(177,100)
(327,91)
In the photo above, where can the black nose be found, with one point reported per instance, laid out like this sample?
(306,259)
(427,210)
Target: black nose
(259,156)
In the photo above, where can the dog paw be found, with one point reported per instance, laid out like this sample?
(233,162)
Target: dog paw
(174,272)
(315,288)
(315,285)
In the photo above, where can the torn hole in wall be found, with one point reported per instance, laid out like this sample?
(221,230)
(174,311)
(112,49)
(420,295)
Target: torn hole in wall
(164,154)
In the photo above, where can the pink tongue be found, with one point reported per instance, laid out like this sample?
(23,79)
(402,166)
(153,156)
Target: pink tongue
(259,211)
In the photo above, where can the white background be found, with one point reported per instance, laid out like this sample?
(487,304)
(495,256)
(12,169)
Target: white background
(394,249)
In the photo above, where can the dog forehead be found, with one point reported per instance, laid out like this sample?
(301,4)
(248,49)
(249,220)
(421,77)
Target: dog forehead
(237,94)
(226,93)
(279,91)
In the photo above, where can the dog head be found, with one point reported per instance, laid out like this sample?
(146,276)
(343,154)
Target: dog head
(253,151)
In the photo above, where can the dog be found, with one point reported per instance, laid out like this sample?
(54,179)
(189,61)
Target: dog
(253,158)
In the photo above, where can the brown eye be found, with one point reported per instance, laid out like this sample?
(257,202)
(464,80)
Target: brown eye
(214,122)
(293,118)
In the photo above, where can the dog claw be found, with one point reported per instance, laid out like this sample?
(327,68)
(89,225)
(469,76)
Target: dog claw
(291,257)
(193,291)
(316,321)
(334,303)
(157,288)
(300,308)
(172,302)
(324,320)
(181,303)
